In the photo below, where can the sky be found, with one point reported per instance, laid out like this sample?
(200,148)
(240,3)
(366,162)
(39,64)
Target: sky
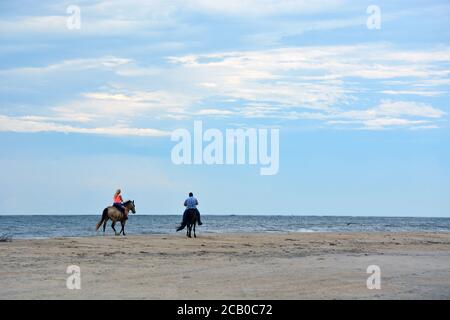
(91,92)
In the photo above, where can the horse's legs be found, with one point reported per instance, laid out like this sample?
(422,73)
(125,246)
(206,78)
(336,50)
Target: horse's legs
(112,226)
(123,227)
(195,236)
(104,225)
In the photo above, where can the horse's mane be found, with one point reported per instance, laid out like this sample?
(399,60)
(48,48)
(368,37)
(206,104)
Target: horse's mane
(127,202)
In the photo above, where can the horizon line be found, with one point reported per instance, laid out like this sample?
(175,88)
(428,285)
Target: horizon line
(228,214)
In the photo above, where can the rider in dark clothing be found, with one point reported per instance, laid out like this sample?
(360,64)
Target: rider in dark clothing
(191,204)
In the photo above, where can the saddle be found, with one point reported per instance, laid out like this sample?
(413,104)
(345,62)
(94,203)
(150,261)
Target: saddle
(119,207)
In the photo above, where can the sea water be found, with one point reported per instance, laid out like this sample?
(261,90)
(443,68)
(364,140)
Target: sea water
(48,226)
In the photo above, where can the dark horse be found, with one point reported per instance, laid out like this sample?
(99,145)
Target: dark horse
(191,221)
(115,215)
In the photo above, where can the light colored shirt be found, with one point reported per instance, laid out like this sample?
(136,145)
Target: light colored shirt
(191,203)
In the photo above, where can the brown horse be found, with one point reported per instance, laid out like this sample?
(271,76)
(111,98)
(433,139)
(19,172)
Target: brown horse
(191,220)
(115,215)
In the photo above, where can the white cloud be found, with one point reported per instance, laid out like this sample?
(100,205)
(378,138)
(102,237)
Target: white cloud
(97,18)
(390,114)
(380,123)
(408,108)
(33,125)
(261,8)
(414,92)
(394,109)
(214,112)
(323,83)
(114,17)
(34,24)
(109,113)
(133,102)
(107,62)
(431,82)
(313,78)
(425,127)
(369,61)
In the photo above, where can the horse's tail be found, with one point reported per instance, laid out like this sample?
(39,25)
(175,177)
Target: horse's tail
(104,216)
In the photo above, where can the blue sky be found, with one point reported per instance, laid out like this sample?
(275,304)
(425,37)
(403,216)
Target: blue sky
(363,113)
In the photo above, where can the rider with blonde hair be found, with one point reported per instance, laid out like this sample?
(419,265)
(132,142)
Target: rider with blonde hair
(118,202)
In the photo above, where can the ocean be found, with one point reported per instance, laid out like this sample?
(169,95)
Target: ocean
(49,226)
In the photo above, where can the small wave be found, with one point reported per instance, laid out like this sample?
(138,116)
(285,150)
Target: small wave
(305,230)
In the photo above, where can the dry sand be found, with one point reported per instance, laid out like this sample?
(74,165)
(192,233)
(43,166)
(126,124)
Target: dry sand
(229,266)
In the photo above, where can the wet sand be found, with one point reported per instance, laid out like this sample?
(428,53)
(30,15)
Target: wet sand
(229,266)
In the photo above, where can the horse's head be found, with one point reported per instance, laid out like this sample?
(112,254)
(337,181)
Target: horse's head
(130,206)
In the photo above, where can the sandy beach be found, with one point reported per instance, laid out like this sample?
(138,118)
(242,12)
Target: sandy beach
(229,266)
